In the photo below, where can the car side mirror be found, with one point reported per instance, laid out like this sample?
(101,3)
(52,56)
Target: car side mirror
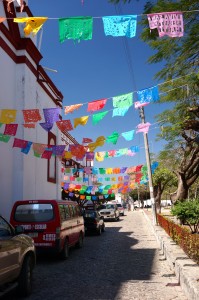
(19,229)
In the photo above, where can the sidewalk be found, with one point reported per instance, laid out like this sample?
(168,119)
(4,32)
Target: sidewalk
(186,270)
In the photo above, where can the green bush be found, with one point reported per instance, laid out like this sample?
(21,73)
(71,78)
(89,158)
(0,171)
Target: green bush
(188,214)
(182,236)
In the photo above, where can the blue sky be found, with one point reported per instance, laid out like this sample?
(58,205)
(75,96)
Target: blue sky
(100,68)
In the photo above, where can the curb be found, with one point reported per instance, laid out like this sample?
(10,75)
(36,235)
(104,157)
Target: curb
(186,270)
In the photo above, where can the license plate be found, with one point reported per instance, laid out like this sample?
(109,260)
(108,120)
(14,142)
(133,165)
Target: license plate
(33,234)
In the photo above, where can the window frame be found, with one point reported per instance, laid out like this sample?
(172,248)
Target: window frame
(53,179)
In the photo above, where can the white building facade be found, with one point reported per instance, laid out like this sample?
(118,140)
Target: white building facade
(24,84)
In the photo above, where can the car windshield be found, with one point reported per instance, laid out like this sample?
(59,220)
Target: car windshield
(101,207)
(34,212)
(5,229)
(110,206)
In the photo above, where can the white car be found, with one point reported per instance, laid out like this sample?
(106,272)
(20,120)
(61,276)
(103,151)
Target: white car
(110,212)
(120,208)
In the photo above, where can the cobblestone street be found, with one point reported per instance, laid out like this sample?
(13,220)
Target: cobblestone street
(123,263)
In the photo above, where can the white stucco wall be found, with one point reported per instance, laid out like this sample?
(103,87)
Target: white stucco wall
(23,176)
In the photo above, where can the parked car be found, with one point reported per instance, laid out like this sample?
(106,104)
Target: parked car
(110,212)
(55,225)
(17,259)
(93,222)
(120,208)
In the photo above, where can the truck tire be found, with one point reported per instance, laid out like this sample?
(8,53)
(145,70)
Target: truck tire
(80,242)
(65,250)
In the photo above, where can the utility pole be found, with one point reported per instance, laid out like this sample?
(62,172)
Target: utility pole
(148,161)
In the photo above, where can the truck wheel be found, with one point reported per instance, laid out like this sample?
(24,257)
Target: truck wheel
(25,277)
(80,241)
(65,250)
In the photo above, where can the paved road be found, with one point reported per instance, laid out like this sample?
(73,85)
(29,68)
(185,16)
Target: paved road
(124,263)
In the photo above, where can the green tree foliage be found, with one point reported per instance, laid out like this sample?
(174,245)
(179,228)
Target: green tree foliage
(140,193)
(180,123)
(162,178)
(188,213)
(194,190)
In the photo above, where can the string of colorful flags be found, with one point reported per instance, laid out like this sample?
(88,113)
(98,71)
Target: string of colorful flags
(51,116)
(11,129)
(121,105)
(144,96)
(108,171)
(135,175)
(81,27)
(77,151)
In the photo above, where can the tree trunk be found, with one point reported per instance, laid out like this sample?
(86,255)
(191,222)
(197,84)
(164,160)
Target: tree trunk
(182,191)
(157,194)
(158,203)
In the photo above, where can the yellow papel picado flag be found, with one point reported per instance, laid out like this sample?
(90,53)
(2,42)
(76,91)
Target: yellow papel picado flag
(33,24)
